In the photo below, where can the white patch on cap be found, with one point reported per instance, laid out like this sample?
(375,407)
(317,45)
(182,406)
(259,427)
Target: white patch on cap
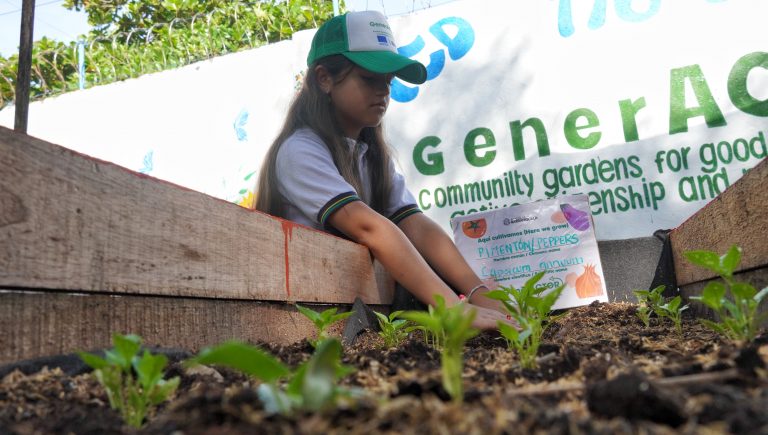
(369,31)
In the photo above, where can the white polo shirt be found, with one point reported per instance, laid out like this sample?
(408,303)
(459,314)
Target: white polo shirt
(313,189)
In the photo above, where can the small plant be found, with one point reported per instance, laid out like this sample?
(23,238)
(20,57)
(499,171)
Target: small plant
(653,301)
(393,330)
(674,311)
(322,320)
(648,303)
(738,318)
(133,383)
(451,327)
(313,386)
(531,310)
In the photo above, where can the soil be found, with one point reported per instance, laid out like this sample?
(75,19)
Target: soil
(601,371)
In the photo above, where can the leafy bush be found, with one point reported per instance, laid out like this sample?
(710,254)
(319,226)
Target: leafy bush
(531,310)
(313,386)
(322,321)
(451,327)
(133,383)
(737,312)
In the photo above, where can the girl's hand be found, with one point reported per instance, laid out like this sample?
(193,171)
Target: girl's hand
(488,319)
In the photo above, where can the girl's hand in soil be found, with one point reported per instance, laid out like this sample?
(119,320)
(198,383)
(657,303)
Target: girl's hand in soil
(488,319)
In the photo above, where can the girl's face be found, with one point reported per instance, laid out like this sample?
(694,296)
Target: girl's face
(360,99)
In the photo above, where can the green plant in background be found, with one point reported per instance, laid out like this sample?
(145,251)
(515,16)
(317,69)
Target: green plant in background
(648,303)
(322,321)
(531,310)
(393,330)
(133,383)
(673,310)
(313,386)
(452,327)
(738,318)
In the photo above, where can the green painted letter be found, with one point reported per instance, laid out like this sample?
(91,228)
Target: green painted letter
(737,84)
(471,147)
(629,109)
(542,142)
(571,130)
(434,162)
(678,113)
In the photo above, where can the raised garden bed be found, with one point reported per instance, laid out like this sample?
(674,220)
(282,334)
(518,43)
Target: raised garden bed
(601,371)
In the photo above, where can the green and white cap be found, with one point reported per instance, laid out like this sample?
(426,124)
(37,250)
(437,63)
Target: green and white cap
(366,39)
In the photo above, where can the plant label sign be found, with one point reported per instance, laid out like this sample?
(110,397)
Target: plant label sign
(508,246)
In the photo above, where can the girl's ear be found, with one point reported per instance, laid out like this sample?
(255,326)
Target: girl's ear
(324,79)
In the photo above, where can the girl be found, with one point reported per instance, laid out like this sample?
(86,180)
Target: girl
(330,167)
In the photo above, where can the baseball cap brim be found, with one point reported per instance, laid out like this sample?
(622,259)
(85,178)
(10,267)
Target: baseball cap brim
(386,62)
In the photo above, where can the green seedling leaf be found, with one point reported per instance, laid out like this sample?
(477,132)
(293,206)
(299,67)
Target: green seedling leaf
(730,261)
(743,291)
(93,361)
(312,315)
(245,358)
(706,259)
(713,295)
(125,348)
(163,389)
(150,368)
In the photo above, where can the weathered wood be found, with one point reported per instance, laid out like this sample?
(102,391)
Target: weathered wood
(45,323)
(70,222)
(737,216)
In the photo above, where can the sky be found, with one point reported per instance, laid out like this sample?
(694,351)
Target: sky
(55,22)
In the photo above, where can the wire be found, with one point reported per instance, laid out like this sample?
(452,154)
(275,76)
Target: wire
(36,6)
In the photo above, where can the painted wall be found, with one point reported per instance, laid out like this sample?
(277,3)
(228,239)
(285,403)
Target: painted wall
(649,107)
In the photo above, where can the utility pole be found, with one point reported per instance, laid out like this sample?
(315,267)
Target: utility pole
(25,66)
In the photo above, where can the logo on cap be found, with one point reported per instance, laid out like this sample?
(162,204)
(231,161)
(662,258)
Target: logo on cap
(382,39)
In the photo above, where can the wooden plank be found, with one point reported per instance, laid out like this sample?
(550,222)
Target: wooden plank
(70,222)
(737,216)
(37,324)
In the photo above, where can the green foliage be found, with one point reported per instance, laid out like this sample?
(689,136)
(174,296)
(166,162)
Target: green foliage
(133,383)
(135,37)
(451,328)
(393,330)
(649,302)
(322,320)
(313,386)
(652,301)
(738,311)
(531,309)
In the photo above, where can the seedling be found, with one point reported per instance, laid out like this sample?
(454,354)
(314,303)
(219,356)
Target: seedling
(531,310)
(649,302)
(313,386)
(738,318)
(452,327)
(322,320)
(652,301)
(134,383)
(673,311)
(393,330)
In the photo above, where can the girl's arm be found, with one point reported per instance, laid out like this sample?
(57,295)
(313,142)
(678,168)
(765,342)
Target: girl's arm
(400,258)
(441,253)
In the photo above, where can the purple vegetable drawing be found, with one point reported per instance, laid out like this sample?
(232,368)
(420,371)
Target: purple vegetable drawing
(577,218)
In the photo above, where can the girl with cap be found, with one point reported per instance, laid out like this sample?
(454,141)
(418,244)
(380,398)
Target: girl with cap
(331,169)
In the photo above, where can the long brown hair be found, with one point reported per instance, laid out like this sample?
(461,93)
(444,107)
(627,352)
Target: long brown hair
(312,108)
